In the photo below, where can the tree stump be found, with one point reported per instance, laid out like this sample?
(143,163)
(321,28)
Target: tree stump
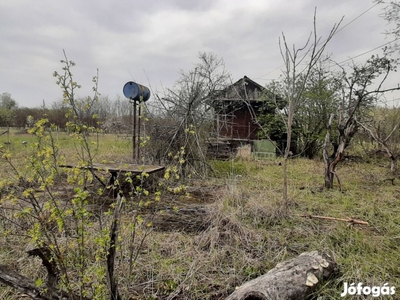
(292,279)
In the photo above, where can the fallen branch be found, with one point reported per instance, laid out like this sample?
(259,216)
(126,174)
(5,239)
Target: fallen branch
(390,179)
(48,261)
(292,279)
(27,287)
(348,220)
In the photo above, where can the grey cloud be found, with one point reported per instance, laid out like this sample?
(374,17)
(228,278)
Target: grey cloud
(152,40)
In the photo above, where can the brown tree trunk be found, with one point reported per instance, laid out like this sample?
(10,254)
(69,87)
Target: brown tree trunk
(287,150)
(393,163)
(328,178)
(330,171)
(327,161)
(292,279)
(392,156)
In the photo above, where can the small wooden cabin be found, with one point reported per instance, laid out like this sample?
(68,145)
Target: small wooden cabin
(236,108)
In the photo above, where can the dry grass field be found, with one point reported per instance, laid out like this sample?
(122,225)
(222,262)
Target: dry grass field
(230,227)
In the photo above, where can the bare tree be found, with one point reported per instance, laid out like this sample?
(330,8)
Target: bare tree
(383,130)
(190,99)
(295,76)
(391,13)
(186,108)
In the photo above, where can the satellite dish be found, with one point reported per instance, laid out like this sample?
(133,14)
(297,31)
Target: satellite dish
(136,92)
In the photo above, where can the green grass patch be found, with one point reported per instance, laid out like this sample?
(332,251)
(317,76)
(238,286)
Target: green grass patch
(248,232)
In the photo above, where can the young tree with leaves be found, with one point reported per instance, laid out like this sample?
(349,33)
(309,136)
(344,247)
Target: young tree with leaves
(7,109)
(318,101)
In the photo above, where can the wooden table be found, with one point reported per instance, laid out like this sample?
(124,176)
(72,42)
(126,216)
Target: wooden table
(118,168)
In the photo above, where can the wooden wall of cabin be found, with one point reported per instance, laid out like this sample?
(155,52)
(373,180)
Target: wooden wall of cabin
(237,125)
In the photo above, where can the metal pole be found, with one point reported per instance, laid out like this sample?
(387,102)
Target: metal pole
(134,133)
(138,148)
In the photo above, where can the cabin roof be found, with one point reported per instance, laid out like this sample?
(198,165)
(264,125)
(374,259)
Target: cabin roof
(236,90)
(242,89)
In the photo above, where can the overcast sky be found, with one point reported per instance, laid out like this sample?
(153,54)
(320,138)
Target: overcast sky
(150,41)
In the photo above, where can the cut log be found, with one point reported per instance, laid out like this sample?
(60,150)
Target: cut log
(292,279)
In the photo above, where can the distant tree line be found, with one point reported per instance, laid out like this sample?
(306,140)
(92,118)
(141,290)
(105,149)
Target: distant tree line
(113,114)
